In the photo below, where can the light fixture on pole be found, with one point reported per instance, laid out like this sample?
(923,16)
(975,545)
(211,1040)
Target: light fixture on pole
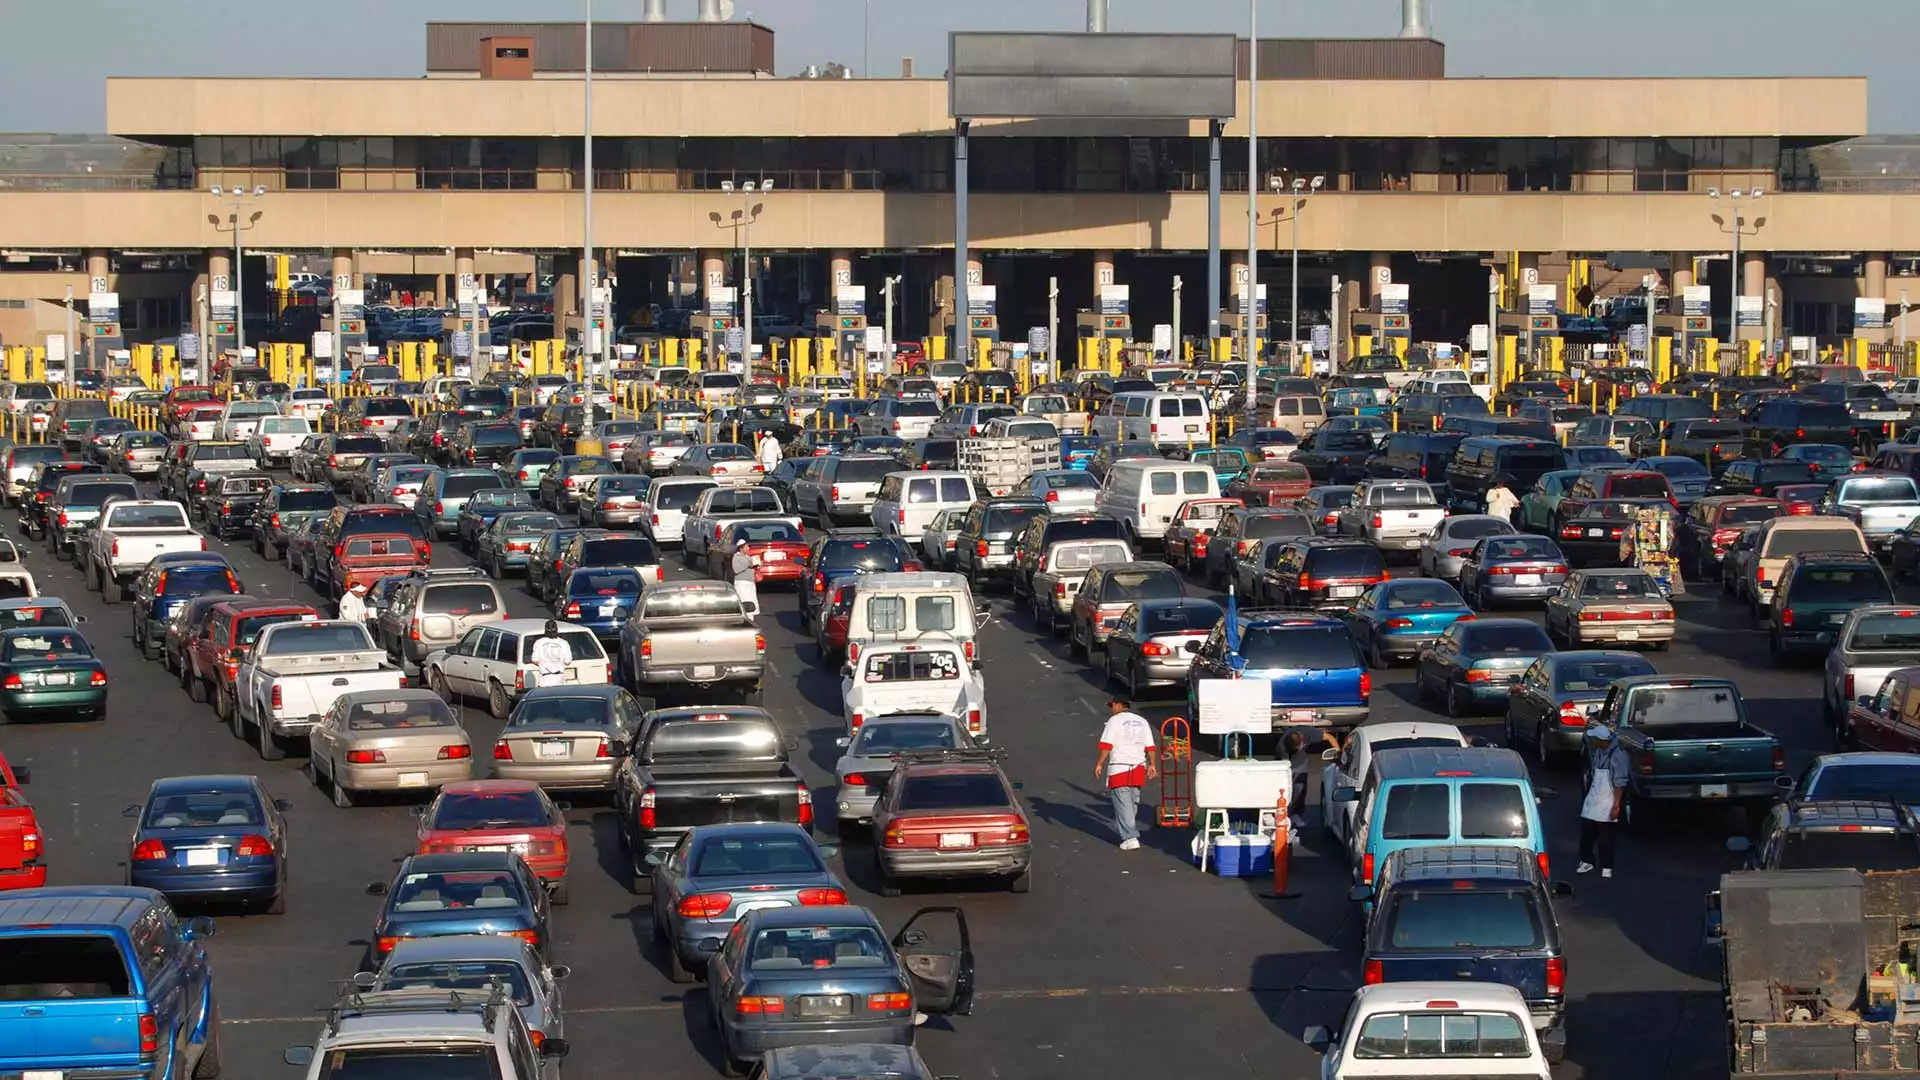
(1736,227)
(234,198)
(1303,189)
(744,216)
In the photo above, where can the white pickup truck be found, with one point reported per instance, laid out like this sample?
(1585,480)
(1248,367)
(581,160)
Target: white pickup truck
(1056,409)
(715,507)
(926,676)
(127,535)
(1393,515)
(297,670)
(275,438)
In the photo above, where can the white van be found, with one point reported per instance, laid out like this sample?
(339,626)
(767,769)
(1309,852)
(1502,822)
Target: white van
(1146,493)
(668,501)
(1163,418)
(909,501)
(894,607)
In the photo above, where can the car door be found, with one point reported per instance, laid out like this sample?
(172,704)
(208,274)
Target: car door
(1530,701)
(1340,773)
(462,662)
(325,739)
(937,952)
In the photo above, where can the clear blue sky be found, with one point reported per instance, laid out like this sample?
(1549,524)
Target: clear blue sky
(59,52)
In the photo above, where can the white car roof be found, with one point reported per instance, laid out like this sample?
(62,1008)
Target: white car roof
(910,580)
(1385,997)
(1407,729)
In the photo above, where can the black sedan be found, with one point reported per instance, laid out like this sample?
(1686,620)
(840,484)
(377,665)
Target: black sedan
(1591,537)
(1550,706)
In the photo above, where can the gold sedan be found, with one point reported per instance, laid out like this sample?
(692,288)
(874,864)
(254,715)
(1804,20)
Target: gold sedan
(1621,607)
(388,740)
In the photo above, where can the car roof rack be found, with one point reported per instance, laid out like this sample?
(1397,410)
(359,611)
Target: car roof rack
(951,755)
(361,1003)
(1269,614)
(433,572)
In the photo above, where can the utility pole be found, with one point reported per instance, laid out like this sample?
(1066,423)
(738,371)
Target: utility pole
(1053,324)
(1253,198)
(1652,282)
(72,346)
(887,288)
(589,269)
(1179,353)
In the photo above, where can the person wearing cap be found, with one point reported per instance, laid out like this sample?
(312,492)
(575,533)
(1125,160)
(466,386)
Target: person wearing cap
(353,603)
(1501,501)
(1606,793)
(743,583)
(552,656)
(1126,764)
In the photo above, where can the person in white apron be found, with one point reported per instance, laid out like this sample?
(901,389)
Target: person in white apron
(552,656)
(1606,794)
(769,452)
(743,583)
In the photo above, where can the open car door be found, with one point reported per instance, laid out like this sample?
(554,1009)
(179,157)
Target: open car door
(938,954)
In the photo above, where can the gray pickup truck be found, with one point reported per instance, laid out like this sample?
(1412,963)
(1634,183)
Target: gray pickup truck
(1880,503)
(1690,742)
(694,635)
(704,765)
(1875,641)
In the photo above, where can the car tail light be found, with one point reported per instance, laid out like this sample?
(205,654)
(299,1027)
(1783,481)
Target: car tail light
(1572,715)
(276,699)
(821,897)
(63,517)
(531,937)
(705,905)
(29,846)
(253,844)
(760,1005)
(1366,867)
(1366,685)
(1556,972)
(1849,685)
(1643,764)
(1786,617)
(116,548)
(413,630)
(1376,521)
(856,720)
(819,580)
(366,757)
(1399,624)
(519,681)
(149,1033)
(572,612)
(454,752)
(967,648)
(1154,648)
(1375,972)
(12,682)
(646,648)
(149,851)
(648,815)
(502,752)
(1779,759)
(980,548)
(973,721)
(893,1002)
(1541,859)
(334,460)
(98,678)
(1476,675)
(806,804)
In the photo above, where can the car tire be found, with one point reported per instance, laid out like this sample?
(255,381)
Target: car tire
(278,904)
(342,795)
(1456,705)
(208,1067)
(437,682)
(498,705)
(1074,648)
(677,970)
(196,690)
(269,746)
(1541,752)
(109,589)
(561,895)
(1376,659)
(1022,883)
(222,703)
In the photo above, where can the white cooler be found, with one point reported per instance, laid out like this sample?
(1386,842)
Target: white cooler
(1240,785)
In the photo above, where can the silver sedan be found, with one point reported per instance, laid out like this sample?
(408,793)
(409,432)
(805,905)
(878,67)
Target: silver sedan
(567,737)
(473,962)
(866,759)
(1448,547)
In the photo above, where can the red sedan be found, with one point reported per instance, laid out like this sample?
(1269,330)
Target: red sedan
(500,815)
(778,550)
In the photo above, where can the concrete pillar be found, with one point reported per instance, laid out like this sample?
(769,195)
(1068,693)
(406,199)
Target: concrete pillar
(1236,280)
(219,268)
(343,267)
(1753,275)
(1875,268)
(1379,272)
(1102,272)
(840,269)
(1680,276)
(99,267)
(1529,274)
(566,293)
(462,265)
(713,271)
(439,288)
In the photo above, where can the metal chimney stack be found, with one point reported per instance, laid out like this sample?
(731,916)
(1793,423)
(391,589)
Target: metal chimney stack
(1413,19)
(710,11)
(1096,16)
(655,11)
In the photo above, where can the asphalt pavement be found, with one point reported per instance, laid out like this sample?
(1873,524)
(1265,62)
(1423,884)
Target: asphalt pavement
(1117,965)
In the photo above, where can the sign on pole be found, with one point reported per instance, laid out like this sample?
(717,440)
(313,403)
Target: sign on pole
(189,346)
(56,348)
(322,345)
(1037,341)
(1235,706)
(1869,313)
(1163,337)
(1543,299)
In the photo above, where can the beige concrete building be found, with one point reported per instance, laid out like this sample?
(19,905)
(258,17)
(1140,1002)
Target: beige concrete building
(478,168)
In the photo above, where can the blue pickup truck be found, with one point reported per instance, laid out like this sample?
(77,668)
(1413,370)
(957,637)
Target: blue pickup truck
(103,982)
(1319,679)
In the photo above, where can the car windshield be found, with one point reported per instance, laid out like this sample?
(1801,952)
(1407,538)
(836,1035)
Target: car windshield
(875,554)
(201,809)
(1298,648)
(953,791)
(490,810)
(457,890)
(399,714)
(1866,850)
(1421,594)
(1455,919)
(755,855)
(887,737)
(459,975)
(794,948)
(1595,676)
(1619,587)
(1839,584)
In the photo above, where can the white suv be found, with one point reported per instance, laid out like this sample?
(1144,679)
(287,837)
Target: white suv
(479,1027)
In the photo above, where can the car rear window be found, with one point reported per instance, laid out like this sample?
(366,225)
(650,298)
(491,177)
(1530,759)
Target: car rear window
(1512,638)
(1180,618)
(1416,812)
(491,435)
(1826,849)
(315,638)
(1785,542)
(97,493)
(1097,527)
(1287,473)
(357,444)
(917,407)
(819,948)
(1900,783)
(399,714)
(724,857)
(1264,525)
(938,664)
(1783,472)
(768,532)
(1595,676)
(190,580)
(1683,704)
(548,709)
(682,602)
(246,630)
(1748,514)
(1455,919)
(1007,520)
(388,407)
(1143,584)
(460,600)
(613,581)
(1493,812)
(222,452)
(1410,495)
(1830,416)
(952,791)
(38,967)
(1406,594)
(874,554)
(584,645)
(865,470)
(677,496)
(1347,562)
(724,739)
(1080,555)
(619,551)
(467,484)
(1631,486)
(1840,583)
(1308,648)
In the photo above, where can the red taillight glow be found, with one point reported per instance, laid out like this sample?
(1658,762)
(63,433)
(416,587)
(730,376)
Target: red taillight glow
(1556,973)
(705,905)
(1366,685)
(253,844)
(149,1033)
(649,816)
(1572,715)
(821,897)
(366,757)
(454,752)
(1366,867)
(502,752)
(893,1002)
(1375,973)
(149,850)
(758,1005)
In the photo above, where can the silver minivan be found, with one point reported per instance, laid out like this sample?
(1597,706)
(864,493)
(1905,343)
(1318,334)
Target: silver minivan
(909,501)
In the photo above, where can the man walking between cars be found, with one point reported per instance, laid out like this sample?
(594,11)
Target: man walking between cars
(743,584)
(552,656)
(1501,501)
(769,452)
(353,603)
(1606,793)
(1126,764)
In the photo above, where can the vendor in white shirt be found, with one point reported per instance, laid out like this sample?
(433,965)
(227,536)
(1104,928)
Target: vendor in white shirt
(1126,764)
(552,656)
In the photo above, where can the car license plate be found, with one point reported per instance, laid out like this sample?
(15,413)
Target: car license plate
(1713,791)
(759,905)
(706,671)
(1629,635)
(1340,592)
(1302,716)
(775,556)
(203,856)
(825,1004)
(1526,579)
(956,839)
(490,847)
(555,748)
(43,1074)
(1193,428)
(57,679)
(1596,532)
(413,779)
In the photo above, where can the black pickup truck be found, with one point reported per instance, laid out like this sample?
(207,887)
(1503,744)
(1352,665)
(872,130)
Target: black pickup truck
(704,765)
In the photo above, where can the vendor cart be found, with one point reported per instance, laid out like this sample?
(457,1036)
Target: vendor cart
(1648,544)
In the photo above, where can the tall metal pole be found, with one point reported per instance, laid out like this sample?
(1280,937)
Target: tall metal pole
(962,334)
(1252,309)
(239,316)
(72,345)
(1053,325)
(1213,233)
(1293,305)
(1178,356)
(1653,282)
(589,270)
(1733,280)
(746,276)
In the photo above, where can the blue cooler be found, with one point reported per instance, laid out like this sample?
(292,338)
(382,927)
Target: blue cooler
(1237,855)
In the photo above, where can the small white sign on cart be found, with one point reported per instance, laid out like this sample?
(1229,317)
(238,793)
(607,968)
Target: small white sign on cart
(1235,706)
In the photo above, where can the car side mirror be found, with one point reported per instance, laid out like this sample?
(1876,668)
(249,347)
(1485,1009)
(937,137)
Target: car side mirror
(1346,795)
(709,945)
(1478,740)
(555,1048)
(127,812)
(80,620)
(1318,1036)
(1330,754)
(1560,890)
(301,1056)
(1784,783)
(378,888)
(843,742)
(200,926)
(1193,647)
(654,858)
(1360,894)
(1864,702)
(283,805)
(846,671)
(365,980)
(1739,845)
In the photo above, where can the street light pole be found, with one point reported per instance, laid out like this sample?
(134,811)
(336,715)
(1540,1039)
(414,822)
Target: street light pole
(1253,199)
(234,199)
(1303,189)
(589,269)
(747,189)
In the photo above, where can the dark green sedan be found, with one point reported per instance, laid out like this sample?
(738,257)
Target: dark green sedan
(50,673)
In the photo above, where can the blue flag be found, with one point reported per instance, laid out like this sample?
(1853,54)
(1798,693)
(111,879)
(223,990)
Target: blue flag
(1233,626)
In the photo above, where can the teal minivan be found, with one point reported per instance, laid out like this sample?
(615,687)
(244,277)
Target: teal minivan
(1438,796)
